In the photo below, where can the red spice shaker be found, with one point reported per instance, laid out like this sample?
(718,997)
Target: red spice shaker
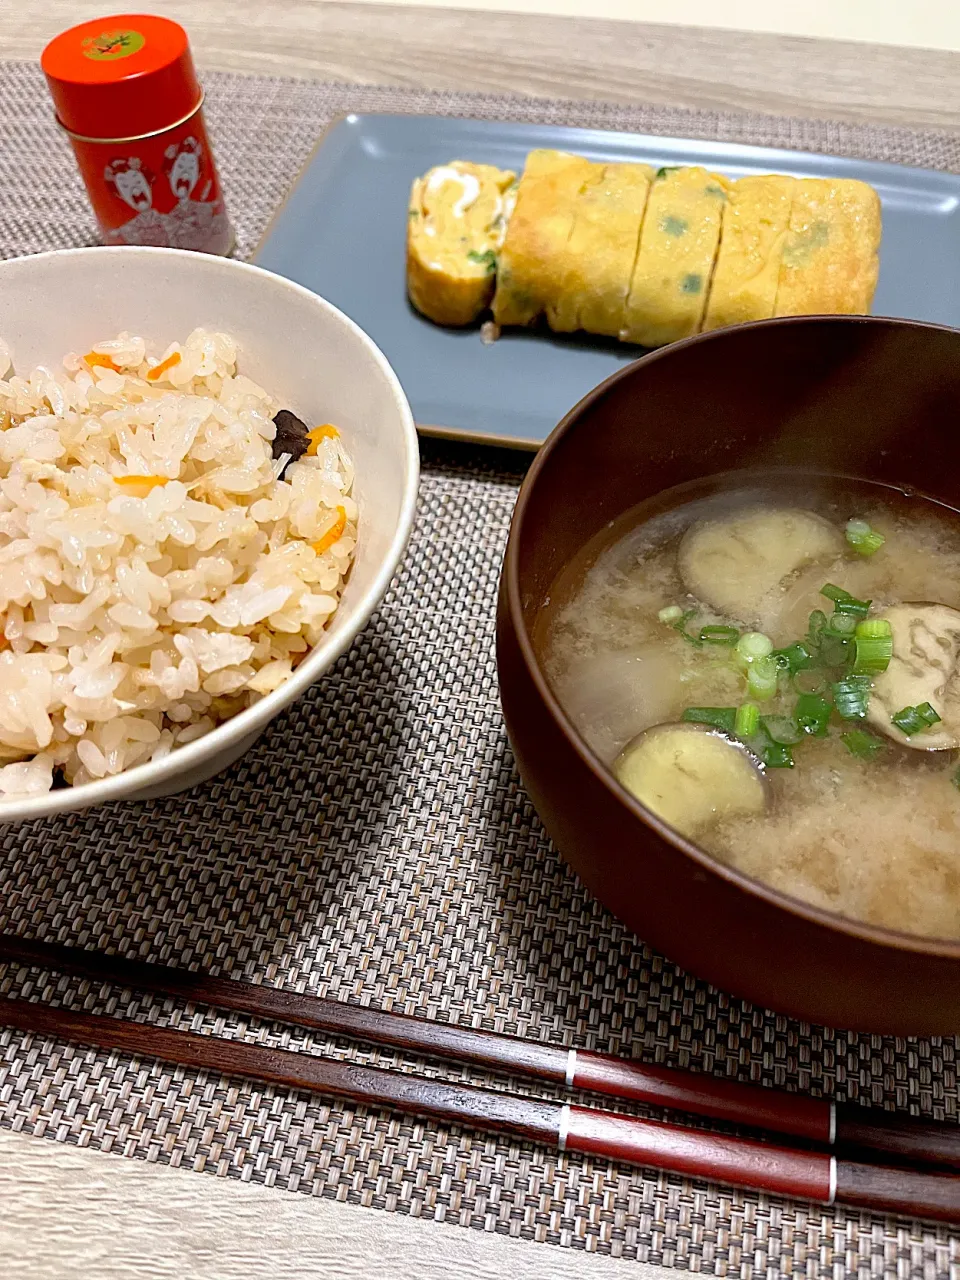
(126,94)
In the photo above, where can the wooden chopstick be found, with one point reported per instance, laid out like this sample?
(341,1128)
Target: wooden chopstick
(805,1174)
(847,1128)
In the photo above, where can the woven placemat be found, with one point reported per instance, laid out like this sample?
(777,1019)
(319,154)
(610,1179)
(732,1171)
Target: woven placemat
(376,846)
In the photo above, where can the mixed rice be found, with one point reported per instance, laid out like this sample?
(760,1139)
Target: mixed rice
(160,568)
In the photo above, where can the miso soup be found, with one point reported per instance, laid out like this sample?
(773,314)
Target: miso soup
(769,662)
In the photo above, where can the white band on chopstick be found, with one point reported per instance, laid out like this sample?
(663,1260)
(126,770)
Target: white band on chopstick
(833,1124)
(833,1180)
(571,1068)
(565,1127)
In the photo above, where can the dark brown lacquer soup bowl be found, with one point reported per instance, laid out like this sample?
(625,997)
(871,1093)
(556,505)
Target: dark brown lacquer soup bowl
(863,397)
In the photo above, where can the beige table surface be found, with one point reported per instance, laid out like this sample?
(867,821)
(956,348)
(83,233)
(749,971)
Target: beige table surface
(923,24)
(70,1212)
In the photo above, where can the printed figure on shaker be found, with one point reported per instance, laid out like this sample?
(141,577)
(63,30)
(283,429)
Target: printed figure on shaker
(191,223)
(134,185)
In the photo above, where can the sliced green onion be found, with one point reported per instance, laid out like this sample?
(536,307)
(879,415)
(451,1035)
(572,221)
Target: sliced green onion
(864,540)
(851,696)
(816,625)
(812,714)
(719,635)
(678,621)
(841,624)
(794,658)
(748,720)
(783,729)
(861,744)
(911,720)
(873,628)
(775,755)
(844,602)
(836,651)
(955,779)
(871,544)
(856,529)
(724,718)
(762,678)
(874,638)
(753,645)
(810,681)
(815,628)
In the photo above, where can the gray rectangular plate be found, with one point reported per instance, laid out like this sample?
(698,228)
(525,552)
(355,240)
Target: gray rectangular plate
(341,232)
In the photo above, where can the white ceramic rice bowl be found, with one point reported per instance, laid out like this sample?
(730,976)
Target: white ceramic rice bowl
(304,351)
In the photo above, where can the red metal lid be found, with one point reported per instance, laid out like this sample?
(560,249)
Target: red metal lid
(121,77)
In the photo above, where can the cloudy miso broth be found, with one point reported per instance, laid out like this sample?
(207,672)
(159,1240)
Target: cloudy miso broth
(807,739)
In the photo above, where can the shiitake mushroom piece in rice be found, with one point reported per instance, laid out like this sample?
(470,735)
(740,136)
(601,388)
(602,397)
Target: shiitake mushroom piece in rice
(292,439)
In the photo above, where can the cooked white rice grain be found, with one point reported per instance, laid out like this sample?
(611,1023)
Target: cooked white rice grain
(156,576)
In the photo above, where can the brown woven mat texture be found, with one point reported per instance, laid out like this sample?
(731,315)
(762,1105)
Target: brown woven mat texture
(376,846)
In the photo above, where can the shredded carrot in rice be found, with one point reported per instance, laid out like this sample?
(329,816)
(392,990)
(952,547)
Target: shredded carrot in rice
(97,361)
(158,370)
(327,432)
(333,534)
(140,482)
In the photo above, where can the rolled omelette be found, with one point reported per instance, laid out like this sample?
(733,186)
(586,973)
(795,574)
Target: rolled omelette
(829,263)
(599,255)
(617,250)
(746,277)
(455,227)
(678,244)
(530,267)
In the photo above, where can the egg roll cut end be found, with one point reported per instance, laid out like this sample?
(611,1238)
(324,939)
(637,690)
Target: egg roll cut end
(747,273)
(829,264)
(530,269)
(455,227)
(671,278)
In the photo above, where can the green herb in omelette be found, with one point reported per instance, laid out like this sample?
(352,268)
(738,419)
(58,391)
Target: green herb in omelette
(486,259)
(671,225)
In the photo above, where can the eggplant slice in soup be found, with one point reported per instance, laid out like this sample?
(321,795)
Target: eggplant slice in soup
(690,775)
(735,565)
(923,669)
